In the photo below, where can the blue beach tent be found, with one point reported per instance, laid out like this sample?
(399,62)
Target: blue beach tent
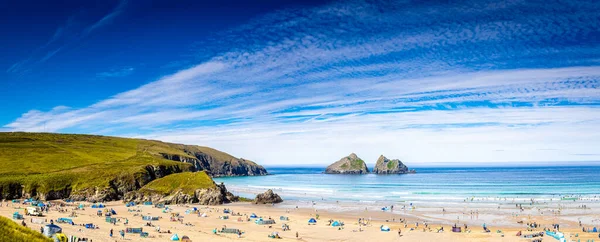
(312,221)
(385,228)
(336,224)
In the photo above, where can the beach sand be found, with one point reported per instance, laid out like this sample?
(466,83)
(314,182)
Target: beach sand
(503,219)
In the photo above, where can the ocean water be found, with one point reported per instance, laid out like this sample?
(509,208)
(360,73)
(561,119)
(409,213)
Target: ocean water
(441,185)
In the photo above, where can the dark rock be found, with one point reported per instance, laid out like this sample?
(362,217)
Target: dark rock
(348,165)
(229,166)
(267,197)
(387,166)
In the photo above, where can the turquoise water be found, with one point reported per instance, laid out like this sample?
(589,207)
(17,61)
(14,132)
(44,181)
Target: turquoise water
(431,184)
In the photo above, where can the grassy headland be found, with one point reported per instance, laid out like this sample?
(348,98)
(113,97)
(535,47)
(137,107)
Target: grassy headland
(54,165)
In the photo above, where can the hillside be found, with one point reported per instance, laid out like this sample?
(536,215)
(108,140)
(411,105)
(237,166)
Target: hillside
(52,166)
(11,231)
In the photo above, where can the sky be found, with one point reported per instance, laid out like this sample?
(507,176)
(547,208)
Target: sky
(308,82)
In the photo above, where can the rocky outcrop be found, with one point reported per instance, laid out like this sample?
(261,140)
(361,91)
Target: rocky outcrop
(387,166)
(210,196)
(121,185)
(348,165)
(267,197)
(229,166)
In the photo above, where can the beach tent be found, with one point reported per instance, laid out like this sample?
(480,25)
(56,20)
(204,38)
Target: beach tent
(81,206)
(186,239)
(312,221)
(226,210)
(253,215)
(147,203)
(284,218)
(595,230)
(51,229)
(64,220)
(100,205)
(16,215)
(336,224)
(130,204)
(90,226)
(175,237)
(385,228)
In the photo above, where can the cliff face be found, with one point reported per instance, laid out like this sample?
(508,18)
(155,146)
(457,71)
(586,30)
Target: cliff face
(230,166)
(121,185)
(387,166)
(348,165)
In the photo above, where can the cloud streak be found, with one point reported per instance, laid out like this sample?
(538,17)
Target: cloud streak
(64,36)
(376,77)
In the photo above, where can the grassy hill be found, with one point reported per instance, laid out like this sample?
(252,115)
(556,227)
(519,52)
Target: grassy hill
(61,165)
(11,231)
(186,182)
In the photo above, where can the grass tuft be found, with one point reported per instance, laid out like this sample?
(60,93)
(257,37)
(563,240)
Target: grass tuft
(14,232)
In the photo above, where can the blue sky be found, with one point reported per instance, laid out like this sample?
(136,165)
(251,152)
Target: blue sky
(284,82)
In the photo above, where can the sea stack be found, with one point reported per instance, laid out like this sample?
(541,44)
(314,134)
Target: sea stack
(387,166)
(348,165)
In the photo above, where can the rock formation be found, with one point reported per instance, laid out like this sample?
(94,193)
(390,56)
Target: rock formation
(267,197)
(387,166)
(219,166)
(208,196)
(348,165)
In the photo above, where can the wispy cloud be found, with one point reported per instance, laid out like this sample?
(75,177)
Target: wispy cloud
(405,79)
(126,71)
(64,36)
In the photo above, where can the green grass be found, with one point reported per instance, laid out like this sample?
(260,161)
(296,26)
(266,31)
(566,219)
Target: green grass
(11,231)
(354,165)
(245,199)
(391,164)
(357,164)
(44,162)
(186,182)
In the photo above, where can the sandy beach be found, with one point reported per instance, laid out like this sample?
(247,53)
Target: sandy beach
(503,223)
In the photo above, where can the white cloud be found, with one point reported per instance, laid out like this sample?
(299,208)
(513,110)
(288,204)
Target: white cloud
(311,85)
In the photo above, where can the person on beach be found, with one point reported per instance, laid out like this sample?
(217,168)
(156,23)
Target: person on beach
(111,232)
(297,235)
(399,232)
(122,232)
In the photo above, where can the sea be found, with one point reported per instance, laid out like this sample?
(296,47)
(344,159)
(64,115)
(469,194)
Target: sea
(433,185)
